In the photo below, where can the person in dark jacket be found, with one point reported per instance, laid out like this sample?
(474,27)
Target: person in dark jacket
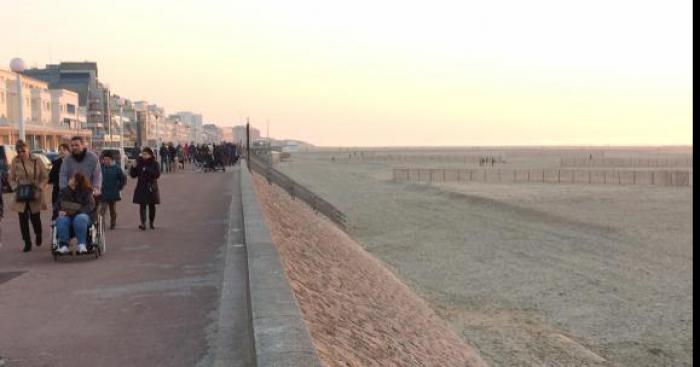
(164,158)
(172,154)
(146,193)
(113,181)
(76,210)
(54,177)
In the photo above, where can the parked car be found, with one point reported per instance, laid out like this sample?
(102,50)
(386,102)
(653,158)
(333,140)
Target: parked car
(119,157)
(44,159)
(131,154)
(7,154)
(52,156)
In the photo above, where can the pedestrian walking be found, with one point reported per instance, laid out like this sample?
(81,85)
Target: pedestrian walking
(113,181)
(54,177)
(76,211)
(164,156)
(29,177)
(172,154)
(146,193)
(180,151)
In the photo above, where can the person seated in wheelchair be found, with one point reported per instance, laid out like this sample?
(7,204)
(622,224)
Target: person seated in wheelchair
(76,213)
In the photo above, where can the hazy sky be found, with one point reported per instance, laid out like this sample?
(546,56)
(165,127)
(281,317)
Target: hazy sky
(386,72)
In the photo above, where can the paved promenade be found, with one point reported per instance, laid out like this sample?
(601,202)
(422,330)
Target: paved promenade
(157,298)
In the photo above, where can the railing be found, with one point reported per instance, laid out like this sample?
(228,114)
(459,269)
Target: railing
(574,176)
(262,166)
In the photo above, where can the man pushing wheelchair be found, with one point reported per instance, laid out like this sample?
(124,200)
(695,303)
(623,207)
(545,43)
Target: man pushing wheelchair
(80,180)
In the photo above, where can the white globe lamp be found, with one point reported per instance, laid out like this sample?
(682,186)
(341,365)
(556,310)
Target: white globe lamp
(17,65)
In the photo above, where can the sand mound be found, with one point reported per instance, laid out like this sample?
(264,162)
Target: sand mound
(358,312)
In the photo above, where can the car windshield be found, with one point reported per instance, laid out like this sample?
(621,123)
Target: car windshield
(115,153)
(52,156)
(131,153)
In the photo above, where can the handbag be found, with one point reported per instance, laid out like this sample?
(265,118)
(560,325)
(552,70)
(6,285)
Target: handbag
(26,192)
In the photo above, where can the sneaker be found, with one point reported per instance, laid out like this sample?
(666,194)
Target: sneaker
(82,249)
(62,249)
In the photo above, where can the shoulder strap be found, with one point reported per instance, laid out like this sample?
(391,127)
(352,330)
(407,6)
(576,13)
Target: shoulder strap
(25,168)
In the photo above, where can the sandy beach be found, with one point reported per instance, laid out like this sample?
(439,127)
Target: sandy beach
(530,274)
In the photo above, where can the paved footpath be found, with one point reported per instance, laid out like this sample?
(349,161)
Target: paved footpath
(157,297)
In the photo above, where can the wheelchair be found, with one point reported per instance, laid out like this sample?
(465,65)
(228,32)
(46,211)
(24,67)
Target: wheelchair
(96,242)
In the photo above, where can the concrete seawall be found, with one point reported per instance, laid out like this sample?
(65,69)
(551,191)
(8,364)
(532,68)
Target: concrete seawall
(280,333)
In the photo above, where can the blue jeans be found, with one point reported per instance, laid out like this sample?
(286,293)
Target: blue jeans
(80,223)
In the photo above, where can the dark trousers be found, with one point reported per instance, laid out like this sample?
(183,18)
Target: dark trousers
(151,212)
(24,218)
(112,211)
(54,202)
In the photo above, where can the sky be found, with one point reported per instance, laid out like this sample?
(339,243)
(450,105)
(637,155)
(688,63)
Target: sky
(386,73)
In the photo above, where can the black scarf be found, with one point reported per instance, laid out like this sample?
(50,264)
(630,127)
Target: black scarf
(80,156)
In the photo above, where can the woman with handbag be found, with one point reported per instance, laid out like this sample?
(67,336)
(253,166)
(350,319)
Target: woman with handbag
(28,176)
(146,193)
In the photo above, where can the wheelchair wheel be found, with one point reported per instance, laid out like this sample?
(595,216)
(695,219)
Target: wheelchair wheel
(101,241)
(54,243)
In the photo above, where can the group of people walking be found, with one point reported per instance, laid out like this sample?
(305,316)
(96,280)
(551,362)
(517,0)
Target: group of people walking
(81,183)
(173,157)
(211,157)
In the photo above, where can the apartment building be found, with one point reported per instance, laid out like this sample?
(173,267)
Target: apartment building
(44,112)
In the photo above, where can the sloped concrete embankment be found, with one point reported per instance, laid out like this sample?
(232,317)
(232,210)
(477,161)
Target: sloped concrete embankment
(357,311)
(280,334)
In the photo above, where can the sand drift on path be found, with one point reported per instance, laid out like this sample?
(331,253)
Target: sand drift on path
(358,312)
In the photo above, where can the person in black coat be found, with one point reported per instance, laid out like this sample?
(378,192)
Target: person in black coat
(146,193)
(54,177)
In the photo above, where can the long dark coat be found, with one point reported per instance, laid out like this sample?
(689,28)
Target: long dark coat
(147,172)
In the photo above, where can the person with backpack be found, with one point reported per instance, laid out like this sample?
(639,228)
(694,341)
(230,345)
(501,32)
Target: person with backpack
(113,182)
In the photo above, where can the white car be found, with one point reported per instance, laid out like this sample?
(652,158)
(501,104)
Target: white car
(44,159)
(119,157)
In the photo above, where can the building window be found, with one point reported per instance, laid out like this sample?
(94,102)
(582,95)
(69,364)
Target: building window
(2,97)
(70,108)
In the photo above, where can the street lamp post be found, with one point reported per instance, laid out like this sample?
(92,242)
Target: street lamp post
(121,124)
(17,66)
(158,141)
